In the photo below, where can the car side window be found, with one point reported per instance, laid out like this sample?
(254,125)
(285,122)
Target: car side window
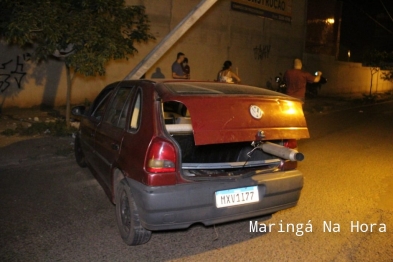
(118,109)
(136,112)
(100,106)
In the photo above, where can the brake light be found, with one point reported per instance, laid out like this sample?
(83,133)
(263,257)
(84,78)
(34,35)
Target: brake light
(291,143)
(161,157)
(289,165)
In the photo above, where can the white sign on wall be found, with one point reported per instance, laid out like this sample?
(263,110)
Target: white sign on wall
(274,9)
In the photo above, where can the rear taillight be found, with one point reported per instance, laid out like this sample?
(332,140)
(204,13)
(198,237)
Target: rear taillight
(290,143)
(161,157)
(160,163)
(289,165)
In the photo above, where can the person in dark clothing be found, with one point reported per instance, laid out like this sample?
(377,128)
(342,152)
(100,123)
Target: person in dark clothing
(296,80)
(186,67)
(177,69)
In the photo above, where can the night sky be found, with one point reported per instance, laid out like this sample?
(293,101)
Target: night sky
(358,32)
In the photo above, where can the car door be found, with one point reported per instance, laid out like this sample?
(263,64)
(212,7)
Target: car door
(139,132)
(89,123)
(109,133)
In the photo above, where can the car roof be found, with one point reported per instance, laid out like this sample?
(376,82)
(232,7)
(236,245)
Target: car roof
(173,87)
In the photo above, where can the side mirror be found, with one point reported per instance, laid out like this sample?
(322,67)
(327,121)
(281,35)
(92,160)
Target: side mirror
(78,110)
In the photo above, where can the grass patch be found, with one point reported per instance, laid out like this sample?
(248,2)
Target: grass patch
(58,128)
(9,132)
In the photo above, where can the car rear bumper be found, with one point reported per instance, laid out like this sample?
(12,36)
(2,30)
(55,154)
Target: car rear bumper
(179,206)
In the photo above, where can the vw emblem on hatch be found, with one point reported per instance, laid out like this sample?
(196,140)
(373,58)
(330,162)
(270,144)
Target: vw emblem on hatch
(256,112)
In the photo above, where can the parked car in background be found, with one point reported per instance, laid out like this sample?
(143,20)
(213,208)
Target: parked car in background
(175,153)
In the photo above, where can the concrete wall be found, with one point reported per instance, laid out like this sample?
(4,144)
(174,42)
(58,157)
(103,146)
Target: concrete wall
(259,49)
(345,78)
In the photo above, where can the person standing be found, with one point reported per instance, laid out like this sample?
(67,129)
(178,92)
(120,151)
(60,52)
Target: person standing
(226,75)
(177,69)
(186,68)
(296,80)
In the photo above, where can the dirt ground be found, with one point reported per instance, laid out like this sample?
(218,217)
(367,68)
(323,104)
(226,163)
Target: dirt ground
(12,118)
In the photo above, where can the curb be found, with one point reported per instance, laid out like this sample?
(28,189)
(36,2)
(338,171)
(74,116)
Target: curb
(348,107)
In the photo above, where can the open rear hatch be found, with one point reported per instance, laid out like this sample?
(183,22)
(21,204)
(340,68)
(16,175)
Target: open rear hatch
(237,119)
(214,128)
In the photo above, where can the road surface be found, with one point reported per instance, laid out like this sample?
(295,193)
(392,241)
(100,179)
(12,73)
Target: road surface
(52,210)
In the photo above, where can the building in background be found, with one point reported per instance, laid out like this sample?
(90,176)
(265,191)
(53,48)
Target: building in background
(323,19)
(348,29)
(339,35)
(261,38)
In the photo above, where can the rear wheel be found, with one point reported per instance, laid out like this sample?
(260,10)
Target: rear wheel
(127,217)
(79,155)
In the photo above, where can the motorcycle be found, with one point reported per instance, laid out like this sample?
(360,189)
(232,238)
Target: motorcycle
(281,86)
(312,89)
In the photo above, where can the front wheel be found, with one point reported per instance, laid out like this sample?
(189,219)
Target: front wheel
(127,217)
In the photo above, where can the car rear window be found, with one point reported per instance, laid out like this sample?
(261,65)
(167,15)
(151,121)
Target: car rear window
(191,88)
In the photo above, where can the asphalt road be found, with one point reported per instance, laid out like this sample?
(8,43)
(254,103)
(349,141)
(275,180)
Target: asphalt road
(52,210)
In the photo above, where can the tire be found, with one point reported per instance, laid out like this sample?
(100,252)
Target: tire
(79,155)
(127,217)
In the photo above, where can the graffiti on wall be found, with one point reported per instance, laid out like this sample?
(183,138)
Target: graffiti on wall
(261,52)
(12,72)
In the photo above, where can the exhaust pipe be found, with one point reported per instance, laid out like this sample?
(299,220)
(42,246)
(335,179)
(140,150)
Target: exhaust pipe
(281,151)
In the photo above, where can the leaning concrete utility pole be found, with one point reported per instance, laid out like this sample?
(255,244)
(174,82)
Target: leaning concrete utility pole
(166,43)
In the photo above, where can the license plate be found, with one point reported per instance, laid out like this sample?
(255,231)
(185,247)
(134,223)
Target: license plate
(237,196)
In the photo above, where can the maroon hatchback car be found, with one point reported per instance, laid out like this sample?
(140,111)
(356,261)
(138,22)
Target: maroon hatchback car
(175,153)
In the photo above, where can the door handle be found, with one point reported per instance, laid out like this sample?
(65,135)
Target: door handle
(115,146)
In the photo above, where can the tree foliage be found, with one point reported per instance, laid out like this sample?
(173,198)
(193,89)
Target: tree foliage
(382,60)
(88,33)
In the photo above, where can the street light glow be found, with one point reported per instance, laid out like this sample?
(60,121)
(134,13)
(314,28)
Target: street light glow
(330,21)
